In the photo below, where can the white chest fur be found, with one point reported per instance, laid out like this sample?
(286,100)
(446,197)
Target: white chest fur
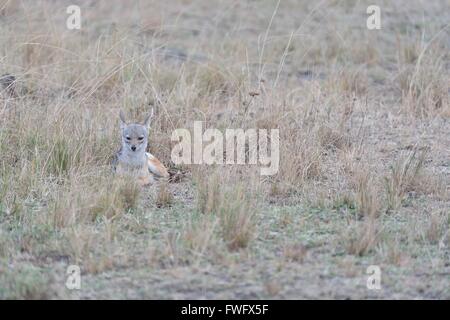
(136,166)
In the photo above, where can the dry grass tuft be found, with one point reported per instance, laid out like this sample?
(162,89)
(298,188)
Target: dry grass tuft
(438,227)
(362,237)
(295,252)
(404,178)
(26,282)
(209,194)
(164,197)
(200,236)
(95,202)
(122,198)
(367,198)
(235,207)
(425,86)
(332,139)
(237,213)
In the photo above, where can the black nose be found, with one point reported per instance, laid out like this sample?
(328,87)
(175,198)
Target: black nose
(133,148)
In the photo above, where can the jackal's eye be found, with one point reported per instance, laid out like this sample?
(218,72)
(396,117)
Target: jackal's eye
(128,138)
(141,138)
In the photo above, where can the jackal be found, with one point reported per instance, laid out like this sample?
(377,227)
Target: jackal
(132,159)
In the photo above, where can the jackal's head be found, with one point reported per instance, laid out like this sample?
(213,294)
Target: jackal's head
(135,135)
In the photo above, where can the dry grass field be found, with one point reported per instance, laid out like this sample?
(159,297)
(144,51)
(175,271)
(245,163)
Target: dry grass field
(364,123)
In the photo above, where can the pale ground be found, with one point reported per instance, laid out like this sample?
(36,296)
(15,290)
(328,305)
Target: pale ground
(351,105)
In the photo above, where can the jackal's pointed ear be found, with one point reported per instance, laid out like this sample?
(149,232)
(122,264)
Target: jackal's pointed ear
(123,122)
(148,119)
